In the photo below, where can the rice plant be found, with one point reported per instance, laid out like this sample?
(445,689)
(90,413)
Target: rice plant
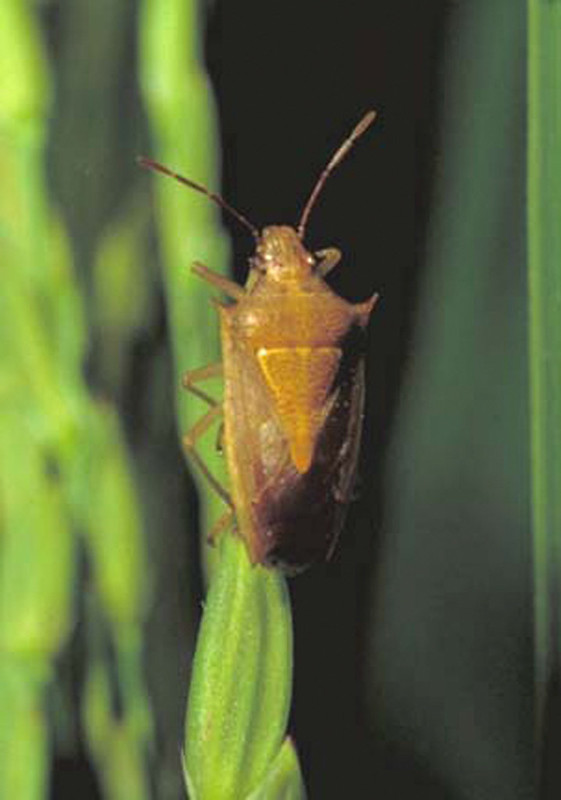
(423,659)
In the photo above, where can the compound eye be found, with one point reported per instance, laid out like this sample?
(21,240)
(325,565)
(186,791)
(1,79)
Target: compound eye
(266,260)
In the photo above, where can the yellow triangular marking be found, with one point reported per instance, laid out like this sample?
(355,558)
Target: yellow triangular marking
(300,379)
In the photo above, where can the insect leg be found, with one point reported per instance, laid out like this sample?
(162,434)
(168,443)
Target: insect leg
(231,288)
(221,524)
(220,438)
(328,259)
(192,377)
(189,441)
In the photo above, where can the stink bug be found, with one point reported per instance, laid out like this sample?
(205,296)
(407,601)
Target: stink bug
(293,370)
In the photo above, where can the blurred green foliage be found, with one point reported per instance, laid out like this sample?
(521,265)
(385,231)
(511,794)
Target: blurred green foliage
(65,483)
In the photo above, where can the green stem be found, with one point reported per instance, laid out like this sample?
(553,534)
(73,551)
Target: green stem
(239,697)
(182,118)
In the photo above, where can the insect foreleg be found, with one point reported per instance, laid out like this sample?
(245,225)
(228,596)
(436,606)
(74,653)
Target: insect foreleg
(231,288)
(189,442)
(328,258)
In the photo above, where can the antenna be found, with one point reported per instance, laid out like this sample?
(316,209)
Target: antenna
(357,132)
(147,163)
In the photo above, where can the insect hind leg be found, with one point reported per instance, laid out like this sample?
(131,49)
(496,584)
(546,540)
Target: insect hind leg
(221,524)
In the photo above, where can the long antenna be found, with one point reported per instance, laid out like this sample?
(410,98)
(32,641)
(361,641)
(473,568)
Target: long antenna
(357,132)
(147,163)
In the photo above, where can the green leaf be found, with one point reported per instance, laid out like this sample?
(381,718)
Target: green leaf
(544,278)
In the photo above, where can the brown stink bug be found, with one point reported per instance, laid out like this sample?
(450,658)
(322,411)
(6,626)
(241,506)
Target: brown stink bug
(293,370)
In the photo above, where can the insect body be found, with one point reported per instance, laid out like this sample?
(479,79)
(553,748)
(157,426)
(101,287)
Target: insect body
(293,368)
